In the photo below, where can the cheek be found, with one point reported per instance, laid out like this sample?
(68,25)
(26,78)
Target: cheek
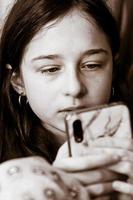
(104,87)
(41,105)
(100,88)
(37,89)
(41,96)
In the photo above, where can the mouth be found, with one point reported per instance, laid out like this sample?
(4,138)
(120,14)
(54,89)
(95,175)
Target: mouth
(72,109)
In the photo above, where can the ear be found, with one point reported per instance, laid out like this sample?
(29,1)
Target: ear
(17,83)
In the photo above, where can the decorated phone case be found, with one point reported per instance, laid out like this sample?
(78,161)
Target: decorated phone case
(86,125)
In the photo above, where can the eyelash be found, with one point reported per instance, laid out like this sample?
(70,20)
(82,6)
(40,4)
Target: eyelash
(54,69)
(50,70)
(90,66)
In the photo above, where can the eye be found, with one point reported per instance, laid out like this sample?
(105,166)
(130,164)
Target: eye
(90,66)
(50,70)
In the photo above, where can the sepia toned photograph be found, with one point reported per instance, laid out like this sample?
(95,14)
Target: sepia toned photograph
(66,99)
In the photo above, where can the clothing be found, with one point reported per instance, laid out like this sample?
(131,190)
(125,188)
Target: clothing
(33,178)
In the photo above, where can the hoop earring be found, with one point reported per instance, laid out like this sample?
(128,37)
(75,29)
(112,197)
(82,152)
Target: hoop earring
(113,91)
(20,101)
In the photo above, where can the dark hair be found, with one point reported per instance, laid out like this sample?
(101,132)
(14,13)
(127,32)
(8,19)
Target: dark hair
(18,133)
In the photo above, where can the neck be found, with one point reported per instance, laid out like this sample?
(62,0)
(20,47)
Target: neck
(59,134)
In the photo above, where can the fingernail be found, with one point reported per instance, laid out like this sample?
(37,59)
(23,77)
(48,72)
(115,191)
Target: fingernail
(117,157)
(115,185)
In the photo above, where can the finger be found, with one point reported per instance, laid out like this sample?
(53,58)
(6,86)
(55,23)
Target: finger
(101,189)
(95,176)
(123,167)
(125,154)
(118,142)
(123,187)
(106,197)
(86,162)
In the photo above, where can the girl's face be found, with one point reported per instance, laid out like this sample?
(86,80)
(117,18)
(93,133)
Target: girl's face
(66,66)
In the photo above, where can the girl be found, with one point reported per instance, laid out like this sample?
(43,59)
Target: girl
(57,56)
(29,103)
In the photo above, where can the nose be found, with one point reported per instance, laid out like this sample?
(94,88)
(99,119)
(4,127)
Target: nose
(75,86)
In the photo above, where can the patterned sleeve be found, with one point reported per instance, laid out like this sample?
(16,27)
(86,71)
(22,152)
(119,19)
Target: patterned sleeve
(33,178)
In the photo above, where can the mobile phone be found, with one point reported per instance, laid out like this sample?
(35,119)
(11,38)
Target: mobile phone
(86,125)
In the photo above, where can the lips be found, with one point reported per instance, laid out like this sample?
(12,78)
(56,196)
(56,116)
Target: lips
(72,108)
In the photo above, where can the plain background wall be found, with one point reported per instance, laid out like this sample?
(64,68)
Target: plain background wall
(5,6)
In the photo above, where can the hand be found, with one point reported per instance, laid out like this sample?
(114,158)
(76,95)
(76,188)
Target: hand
(34,178)
(124,148)
(91,172)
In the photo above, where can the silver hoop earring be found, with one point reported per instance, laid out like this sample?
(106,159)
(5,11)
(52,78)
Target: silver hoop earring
(20,99)
(113,91)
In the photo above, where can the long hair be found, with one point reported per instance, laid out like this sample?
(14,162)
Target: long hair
(17,123)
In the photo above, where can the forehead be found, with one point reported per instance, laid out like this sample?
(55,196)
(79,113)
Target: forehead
(74,29)
(73,19)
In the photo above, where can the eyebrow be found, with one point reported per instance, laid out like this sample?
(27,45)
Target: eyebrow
(86,53)
(49,57)
(95,51)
